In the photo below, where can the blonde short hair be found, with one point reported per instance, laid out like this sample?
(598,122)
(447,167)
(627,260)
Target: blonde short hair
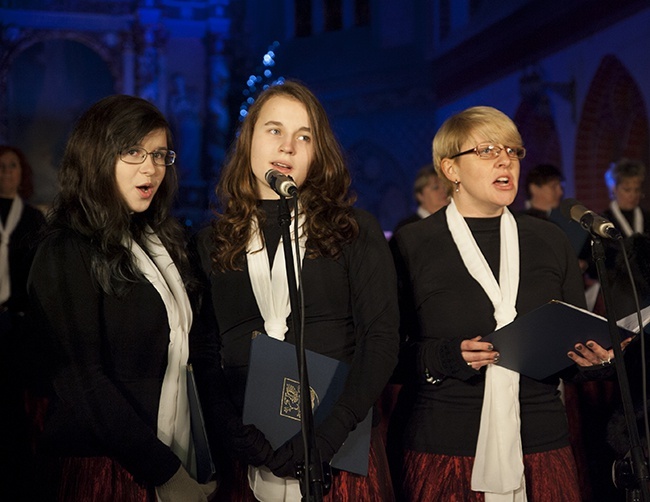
(494,125)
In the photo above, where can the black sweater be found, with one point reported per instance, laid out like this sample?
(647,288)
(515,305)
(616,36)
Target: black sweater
(452,306)
(110,356)
(350,314)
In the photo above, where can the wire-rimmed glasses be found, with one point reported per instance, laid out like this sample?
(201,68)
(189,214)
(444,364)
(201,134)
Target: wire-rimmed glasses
(492,151)
(137,155)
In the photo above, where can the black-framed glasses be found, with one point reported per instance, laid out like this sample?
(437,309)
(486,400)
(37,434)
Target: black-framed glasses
(490,151)
(137,155)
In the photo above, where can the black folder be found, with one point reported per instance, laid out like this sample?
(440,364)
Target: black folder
(205,469)
(536,344)
(272,398)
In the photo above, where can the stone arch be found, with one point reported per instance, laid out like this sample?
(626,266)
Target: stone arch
(108,48)
(47,78)
(613,124)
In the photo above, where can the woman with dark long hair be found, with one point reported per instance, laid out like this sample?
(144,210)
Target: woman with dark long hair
(111,285)
(348,285)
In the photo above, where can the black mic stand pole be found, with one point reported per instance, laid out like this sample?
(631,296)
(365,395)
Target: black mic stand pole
(638,461)
(311,474)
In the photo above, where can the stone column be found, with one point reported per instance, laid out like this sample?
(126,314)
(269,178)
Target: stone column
(218,120)
(150,40)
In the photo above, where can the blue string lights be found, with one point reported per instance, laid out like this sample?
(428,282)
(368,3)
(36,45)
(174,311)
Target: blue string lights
(263,80)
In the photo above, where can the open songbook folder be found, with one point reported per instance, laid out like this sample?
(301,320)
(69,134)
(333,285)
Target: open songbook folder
(536,344)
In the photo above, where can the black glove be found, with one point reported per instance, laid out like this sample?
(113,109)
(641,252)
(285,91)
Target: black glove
(249,445)
(330,435)
(285,458)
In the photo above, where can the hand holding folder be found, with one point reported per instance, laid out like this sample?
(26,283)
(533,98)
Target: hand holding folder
(536,344)
(272,397)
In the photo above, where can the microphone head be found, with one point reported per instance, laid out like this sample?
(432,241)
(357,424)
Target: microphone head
(282,184)
(269,175)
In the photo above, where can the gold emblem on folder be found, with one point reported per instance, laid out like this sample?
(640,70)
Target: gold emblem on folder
(290,404)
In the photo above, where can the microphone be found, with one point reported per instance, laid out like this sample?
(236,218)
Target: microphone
(590,221)
(282,184)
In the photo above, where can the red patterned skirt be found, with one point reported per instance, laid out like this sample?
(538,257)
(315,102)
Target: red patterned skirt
(346,487)
(549,475)
(99,479)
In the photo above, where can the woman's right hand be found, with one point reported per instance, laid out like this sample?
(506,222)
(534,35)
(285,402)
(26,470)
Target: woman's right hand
(478,354)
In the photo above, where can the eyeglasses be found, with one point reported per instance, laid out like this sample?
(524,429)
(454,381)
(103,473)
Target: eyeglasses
(137,155)
(490,151)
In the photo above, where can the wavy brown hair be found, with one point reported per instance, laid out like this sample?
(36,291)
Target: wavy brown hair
(324,195)
(90,203)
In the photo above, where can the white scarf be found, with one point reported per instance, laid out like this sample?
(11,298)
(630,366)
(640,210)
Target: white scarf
(271,292)
(173,410)
(15,212)
(622,222)
(498,466)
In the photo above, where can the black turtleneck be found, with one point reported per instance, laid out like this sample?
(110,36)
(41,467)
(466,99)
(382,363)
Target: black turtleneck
(350,314)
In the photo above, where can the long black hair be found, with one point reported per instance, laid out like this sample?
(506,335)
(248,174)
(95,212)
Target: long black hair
(90,203)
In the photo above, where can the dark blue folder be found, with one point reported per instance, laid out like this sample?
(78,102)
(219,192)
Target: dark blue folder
(205,468)
(536,344)
(272,399)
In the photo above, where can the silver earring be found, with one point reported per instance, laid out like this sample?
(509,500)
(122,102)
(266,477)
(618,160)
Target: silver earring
(457,183)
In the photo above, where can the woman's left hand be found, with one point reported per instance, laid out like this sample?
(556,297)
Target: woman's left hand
(592,354)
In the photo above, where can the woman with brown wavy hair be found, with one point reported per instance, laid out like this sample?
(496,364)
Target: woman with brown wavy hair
(348,285)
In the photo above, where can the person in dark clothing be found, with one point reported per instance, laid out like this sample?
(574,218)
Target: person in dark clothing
(429,193)
(544,190)
(624,180)
(348,286)
(461,400)
(636,357)
(111,287)
(20,225)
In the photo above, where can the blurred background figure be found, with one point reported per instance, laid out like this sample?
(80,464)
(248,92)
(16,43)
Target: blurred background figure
(624,180)
(19,227)
(19,230)
(591,405)
(543,190)
(429,193)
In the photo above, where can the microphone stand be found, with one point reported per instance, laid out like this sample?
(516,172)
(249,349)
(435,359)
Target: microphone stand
(311,474)
(638,461)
